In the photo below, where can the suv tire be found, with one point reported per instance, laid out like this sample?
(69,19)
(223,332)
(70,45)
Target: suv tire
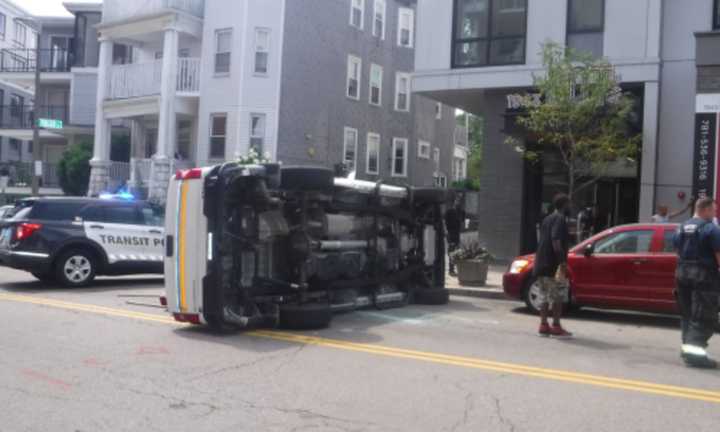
(432,296)
(306,179)
(75,268)
(305,317)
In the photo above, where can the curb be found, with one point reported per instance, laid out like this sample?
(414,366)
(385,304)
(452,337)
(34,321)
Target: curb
(487,293)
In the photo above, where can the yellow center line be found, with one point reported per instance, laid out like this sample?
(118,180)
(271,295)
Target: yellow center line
(428,357)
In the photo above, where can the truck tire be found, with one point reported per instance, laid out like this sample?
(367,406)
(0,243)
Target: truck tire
(430,195)
(76,268)
(305,317)
(432,296)
(306,179)
(219,326)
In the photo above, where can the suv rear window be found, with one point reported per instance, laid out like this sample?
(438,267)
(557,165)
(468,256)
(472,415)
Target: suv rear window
(57,211)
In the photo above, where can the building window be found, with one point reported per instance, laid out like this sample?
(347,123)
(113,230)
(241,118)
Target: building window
(376,79)
(354,74)
(406,27)
(423,149)
(716,15)
(20,34)
(379,19)
(438,111)
(357,13)
(218,135)
(459,168)
(3,25)
(585,26)
(223,51)
(17,103)
(257,133)
(436,159)
(402,92)
(373,154)
(350,144)
(262,50)
(122,54)
(399,157)
(489,32)
(440,180)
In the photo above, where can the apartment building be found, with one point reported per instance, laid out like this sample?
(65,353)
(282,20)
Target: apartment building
(323,82)
(67,60)
(476,54)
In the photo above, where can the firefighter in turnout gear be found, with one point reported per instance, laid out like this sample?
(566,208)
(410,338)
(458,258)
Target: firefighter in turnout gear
(698,282)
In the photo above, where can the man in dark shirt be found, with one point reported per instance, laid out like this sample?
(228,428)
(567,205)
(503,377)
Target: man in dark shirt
(698,244)
(551,267)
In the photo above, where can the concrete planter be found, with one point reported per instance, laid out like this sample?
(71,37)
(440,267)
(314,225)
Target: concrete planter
(472,272)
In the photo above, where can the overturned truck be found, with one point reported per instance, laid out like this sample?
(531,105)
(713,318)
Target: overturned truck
(268,245)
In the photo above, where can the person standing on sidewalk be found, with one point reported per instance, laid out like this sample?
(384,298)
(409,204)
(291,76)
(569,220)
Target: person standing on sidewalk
(551,267)
(698,282)
(454,218)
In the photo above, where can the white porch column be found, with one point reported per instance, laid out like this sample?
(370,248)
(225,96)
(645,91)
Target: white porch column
(100,163)
(167,122)
(648,176)
(138,135)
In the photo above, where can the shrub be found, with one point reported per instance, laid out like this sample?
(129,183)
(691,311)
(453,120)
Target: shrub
(74,169)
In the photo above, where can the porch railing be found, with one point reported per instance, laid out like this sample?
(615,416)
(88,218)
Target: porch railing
(27,60)
(24,116)
(20,174)
(144,79)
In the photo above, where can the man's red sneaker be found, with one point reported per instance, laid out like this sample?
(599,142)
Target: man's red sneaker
(544,330)
(559,332)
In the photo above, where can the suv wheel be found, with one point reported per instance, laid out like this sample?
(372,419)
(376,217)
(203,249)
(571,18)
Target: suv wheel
(75,268)
(305,317)
(432,296)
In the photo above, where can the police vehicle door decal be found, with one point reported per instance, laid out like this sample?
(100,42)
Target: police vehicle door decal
(127,242)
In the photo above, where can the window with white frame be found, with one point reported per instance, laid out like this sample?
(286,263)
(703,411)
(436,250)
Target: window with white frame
(436,159)
(218,135)
(438,111)
(402,91)
(257,133)
(399,157)
(376,80)
(20,34)
(262,50)
(350,144)
(354,73)
(423,149)
(440,180)
(357,13)
(3,25)
(223,51)
(406,27)
(379,19)
(372,162)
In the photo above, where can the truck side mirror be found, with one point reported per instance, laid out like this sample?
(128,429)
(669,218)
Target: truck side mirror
(589,250)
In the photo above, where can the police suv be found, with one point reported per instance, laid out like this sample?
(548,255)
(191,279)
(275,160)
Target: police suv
(72,240)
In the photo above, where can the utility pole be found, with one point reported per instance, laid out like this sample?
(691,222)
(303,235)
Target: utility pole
(36,153)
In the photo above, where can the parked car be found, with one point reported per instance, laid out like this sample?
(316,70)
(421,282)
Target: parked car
(264,245)
(626,267)
(72,240)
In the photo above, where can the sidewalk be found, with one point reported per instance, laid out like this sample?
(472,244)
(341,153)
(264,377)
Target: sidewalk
(492,290)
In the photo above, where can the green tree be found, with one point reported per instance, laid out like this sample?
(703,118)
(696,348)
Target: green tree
(476,142)
(74,169)
(580,111)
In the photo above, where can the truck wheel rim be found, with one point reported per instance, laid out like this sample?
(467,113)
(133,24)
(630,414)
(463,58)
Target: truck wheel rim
(534,295)
(77,269)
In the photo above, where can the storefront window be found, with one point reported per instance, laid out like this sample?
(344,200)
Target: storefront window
(489,32)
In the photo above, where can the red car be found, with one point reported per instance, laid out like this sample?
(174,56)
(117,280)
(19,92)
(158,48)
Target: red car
(626,267)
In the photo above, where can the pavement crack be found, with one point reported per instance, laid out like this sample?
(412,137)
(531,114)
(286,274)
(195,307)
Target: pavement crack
(499,414)
(469,405)
(179,403)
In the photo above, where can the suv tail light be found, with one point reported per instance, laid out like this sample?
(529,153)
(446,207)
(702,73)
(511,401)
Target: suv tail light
(195,173)
(25,230)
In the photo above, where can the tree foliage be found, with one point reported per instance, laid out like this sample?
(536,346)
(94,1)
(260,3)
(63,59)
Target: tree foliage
(581,111)
(74,169)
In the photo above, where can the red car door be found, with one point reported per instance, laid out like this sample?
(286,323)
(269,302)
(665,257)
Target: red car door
(662,272)
(614,274)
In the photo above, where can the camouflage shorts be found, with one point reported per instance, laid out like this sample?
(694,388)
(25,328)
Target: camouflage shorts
(551,290)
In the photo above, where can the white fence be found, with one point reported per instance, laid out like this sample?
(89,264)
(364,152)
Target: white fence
(144,79)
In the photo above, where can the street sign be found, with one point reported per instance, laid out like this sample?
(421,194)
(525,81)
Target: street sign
(50,123)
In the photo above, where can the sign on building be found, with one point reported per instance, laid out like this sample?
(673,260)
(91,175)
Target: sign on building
(707,141)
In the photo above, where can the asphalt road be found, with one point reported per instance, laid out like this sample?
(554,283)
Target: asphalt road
(106,359)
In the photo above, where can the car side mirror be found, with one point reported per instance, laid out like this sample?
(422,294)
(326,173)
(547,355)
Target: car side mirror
(589,250)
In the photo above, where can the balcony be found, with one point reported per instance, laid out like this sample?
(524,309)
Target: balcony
(23,116)
(23,60)
(128,9)
(144,79)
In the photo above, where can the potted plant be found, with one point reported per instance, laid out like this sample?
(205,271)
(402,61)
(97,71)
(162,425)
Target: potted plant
(472,262)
